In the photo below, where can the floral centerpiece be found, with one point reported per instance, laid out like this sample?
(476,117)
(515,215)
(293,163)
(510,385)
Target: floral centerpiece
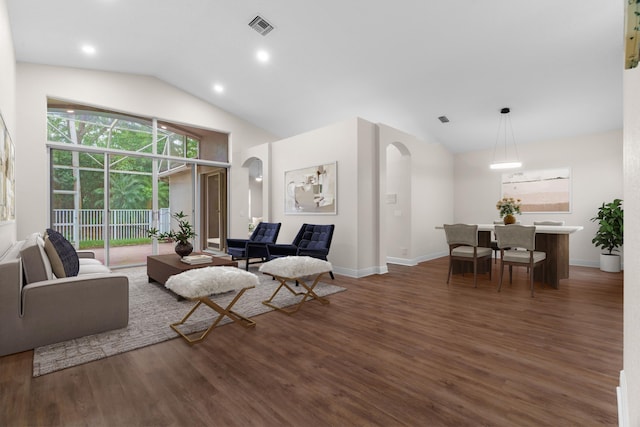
(508,207)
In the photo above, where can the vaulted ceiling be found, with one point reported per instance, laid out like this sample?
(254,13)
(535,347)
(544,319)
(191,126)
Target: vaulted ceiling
(557,64)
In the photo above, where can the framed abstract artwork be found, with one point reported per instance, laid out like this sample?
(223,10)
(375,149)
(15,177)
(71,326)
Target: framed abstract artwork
(7,172)
(311,190)
(545,190)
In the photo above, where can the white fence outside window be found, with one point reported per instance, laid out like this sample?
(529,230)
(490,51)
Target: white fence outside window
(124,224)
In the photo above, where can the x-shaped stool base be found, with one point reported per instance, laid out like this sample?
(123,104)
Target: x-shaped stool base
(238,318)
(308,295)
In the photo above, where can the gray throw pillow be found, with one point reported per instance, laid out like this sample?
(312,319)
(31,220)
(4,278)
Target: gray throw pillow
(66,252)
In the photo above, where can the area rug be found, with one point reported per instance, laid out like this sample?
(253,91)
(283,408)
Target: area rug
(151,309)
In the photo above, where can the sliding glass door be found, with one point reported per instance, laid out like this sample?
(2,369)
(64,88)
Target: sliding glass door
(77,198)
(130,184)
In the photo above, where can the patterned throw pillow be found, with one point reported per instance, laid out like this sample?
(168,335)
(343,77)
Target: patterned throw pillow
(65,254)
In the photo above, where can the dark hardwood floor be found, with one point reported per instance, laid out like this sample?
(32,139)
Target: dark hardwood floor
(396,349)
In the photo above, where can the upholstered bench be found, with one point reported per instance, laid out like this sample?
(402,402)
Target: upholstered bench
(199,284)
(296,269)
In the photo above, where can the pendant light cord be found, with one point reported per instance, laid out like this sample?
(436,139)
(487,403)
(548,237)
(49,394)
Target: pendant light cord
(504,119)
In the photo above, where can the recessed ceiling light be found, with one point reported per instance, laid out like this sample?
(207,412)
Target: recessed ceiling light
(88,49)
(70,111)
(262,55)
(218,88)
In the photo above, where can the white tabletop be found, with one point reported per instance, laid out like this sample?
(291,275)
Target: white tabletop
(546,229)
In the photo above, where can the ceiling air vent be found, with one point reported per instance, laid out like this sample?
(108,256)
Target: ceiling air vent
(260,25)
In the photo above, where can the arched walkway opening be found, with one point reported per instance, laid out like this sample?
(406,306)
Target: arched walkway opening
(255,192)
(398,198)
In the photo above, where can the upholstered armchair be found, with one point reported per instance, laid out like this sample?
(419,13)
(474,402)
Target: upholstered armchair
(312,240)
(255,247)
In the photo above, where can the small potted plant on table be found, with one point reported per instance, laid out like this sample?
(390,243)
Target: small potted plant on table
(182,236)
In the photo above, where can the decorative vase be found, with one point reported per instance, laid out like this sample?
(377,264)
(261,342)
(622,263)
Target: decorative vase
(509,219)
(184,249)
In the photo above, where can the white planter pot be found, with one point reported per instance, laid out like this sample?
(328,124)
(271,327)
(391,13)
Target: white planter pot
(610,263)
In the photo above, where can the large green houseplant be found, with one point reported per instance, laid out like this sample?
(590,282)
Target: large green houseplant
(184,233)
(610,234)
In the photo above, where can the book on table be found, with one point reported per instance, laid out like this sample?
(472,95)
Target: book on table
(196,259)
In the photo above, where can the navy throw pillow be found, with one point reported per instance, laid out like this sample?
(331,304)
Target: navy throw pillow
(66,252)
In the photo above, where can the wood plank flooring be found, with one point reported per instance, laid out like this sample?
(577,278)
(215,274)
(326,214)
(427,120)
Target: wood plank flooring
(401,349)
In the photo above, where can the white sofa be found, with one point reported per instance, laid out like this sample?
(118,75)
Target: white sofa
(37,309)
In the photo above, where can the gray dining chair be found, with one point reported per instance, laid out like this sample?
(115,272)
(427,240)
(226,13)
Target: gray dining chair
(494,243)
(521,237)
(463,246)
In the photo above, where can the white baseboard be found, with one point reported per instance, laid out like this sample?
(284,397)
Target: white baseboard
(623,408)
(401,261)
(415,261)
(349,272)
(429,257)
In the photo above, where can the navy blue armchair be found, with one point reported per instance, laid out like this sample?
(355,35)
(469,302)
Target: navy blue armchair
(312,240)
(255,247)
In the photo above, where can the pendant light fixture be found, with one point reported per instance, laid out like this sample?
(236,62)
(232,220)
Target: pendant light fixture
(505,129)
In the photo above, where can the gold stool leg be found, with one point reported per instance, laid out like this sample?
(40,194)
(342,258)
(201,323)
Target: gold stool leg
(237,318)
(309,294)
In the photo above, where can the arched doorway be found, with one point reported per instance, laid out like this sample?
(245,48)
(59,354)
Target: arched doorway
(255,202)
(398,221)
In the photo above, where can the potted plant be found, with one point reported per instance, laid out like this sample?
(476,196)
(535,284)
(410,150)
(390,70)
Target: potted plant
(182,236)
(610,234)
(508,207)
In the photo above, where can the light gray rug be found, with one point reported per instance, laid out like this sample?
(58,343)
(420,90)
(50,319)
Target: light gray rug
(151,309)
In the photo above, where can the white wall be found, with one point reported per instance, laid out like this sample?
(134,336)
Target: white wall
(596,177)
(334,143)
(359,246)
(368,196)
(432,189)
(7,104)
(631,359)
(127,93)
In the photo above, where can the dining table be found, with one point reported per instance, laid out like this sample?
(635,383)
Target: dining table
(550,239)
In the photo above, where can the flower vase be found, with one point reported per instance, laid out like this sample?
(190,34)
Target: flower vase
(184,249)
(509,219)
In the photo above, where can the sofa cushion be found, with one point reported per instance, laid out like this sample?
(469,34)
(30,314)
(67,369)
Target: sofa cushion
(93,268)
(62,254)
(35,262)
(13,252)
(54,258)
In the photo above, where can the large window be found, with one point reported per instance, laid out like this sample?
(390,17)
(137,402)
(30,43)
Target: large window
(109,184)
(118,132)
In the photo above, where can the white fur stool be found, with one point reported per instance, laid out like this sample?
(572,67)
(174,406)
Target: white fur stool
(198,284)
(294,269)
